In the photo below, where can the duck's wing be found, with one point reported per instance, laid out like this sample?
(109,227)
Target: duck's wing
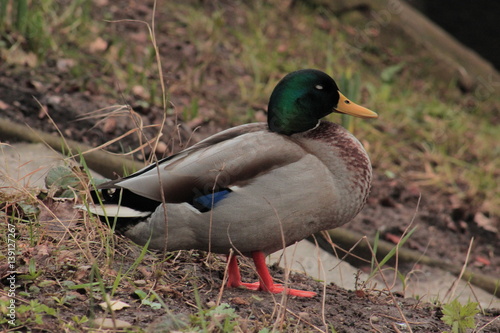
(233,157)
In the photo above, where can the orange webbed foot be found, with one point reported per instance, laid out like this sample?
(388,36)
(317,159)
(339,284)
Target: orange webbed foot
(266,282)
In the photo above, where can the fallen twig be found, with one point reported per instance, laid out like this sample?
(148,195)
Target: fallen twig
(106,164)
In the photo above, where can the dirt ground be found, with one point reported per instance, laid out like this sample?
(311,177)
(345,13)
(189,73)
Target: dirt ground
(445,224)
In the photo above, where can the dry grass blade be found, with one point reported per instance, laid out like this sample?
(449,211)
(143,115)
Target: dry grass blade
(117,139)
(450,294)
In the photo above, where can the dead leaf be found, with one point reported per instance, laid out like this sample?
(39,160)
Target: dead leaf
(483,261)
(39,86)
(485,222)
(166,289)
(82,272)
(19,57)
(145,271)
(66,256)
(392,238)
(239,301)
(360,293)
(113,305)
(42,250)
(140,283)
(57,217)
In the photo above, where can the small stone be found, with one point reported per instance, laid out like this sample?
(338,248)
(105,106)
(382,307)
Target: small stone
(304,316)
(140,92)
(161,148)
(65,64)
(98,45)
(108,323)
(140,283)
(402,326)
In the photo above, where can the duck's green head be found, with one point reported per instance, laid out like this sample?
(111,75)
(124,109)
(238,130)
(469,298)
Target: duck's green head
(303,97)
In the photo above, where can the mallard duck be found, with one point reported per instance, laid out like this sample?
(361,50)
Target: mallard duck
(254,188)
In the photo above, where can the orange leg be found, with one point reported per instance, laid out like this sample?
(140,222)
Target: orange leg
(265,280)
(233,272)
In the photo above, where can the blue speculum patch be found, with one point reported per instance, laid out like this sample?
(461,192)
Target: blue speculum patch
(206,202)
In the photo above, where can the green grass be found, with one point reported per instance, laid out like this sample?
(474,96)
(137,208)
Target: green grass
(44,27)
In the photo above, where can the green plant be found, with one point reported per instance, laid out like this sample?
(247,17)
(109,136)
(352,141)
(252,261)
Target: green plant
(20,212)
(80,320)
(191,112)
(390,255)
(22,16)
(61,301)
(332,329)
(222,317)
(460,317)
(150,301)
(63,182)
(389,74)
(19,15)
(32,312)
(91,286)
(32,271)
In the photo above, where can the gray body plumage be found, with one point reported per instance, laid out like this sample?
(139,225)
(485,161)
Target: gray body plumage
(282,189)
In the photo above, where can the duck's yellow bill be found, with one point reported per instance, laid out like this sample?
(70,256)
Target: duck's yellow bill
(353,109)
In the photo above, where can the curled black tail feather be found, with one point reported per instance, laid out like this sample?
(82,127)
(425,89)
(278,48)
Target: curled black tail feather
(125,198)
